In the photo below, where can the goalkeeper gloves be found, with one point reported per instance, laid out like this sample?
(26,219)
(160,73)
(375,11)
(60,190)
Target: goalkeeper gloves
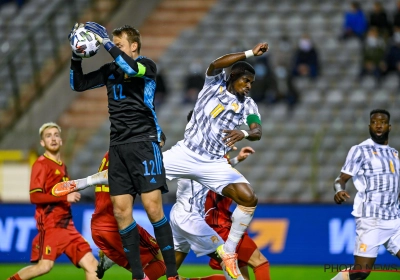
(74,28)
(101,34)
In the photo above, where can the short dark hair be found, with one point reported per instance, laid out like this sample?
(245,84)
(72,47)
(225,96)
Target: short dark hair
(189,116)
(380,111)
(241,66)
(132,34)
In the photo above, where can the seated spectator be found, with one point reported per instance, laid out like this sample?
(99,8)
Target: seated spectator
(305,59)
(373,54)
(194,82)
(378,19)
(396,16)
(393,54)
(355,22)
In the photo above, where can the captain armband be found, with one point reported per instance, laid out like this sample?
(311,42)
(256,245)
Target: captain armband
(337,187)
(253,119)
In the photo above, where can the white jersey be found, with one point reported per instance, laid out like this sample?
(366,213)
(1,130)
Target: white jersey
(192,196)
(216,109)
(375,172)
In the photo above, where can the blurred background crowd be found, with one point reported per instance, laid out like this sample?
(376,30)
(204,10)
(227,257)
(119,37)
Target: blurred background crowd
(329,64)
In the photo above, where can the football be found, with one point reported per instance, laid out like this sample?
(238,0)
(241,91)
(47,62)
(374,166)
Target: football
(84,43)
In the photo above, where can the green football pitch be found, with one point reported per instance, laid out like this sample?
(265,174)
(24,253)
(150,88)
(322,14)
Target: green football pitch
(68,272)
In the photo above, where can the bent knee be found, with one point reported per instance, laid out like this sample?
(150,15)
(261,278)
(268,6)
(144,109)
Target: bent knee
(45,266)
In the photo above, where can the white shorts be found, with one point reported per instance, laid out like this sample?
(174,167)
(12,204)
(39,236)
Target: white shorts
(373,232)
(190,231)
(216,174)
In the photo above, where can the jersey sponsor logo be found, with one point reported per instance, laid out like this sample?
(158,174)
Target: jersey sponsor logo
(57,172)
(153,181)
(395,155)
(217,110)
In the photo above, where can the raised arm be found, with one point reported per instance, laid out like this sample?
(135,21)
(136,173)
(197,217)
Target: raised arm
(229,59)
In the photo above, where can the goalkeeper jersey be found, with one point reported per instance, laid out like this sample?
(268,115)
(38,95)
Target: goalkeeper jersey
(131,87)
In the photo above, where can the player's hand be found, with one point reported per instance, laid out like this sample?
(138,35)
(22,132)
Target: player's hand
(99,31)
(73,29)
(163,139)
(232,137)
(73,197)
(260,48)
(341,197)
(244,153)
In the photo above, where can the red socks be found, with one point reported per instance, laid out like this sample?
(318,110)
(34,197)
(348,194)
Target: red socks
(15,277)
(155,270)
(261,272)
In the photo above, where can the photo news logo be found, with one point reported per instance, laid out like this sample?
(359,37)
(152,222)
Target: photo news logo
(336,268)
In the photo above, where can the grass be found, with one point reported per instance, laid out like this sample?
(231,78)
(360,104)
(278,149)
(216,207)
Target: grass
(68,272)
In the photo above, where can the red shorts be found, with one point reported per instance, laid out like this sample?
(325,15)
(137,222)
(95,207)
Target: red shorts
(245,248)
(110,243)
(50,244)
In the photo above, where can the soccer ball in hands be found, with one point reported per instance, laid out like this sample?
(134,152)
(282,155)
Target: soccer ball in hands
(84,43)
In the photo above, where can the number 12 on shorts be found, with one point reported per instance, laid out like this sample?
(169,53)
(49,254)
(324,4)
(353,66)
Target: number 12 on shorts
(154,168)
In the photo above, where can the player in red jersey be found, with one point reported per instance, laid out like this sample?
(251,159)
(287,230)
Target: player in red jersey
(106,236)
(57,233)
(219,218)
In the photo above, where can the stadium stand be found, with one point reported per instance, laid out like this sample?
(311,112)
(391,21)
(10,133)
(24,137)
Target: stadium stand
(299,156)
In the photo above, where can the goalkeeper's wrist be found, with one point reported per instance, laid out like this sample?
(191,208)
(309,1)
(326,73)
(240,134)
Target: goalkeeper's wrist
(75,57)
(108,45)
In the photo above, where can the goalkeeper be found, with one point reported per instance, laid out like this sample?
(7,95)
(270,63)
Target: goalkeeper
(136,165)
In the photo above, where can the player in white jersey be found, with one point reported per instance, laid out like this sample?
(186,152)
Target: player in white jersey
(222,106)
(374,167)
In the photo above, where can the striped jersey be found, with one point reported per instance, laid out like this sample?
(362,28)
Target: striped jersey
(216,109)
(375,172)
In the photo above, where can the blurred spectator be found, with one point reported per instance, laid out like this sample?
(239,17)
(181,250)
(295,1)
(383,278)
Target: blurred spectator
(264,87)
(393,54)
(161,89)
(355,22)
(373,54)
(396,16)
(194,82)
(286,88)
(305,59)
(378,19)
(281,53)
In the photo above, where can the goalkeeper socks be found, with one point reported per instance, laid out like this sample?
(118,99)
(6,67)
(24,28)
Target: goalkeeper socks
(163,235)
(241,218)
(261,272)
(15,277)
(155,270)
(130,241)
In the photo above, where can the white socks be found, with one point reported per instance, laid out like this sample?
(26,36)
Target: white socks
(241,219)
(100,178)
(343,275)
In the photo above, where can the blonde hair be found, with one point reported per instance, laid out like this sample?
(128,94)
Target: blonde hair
(48,125)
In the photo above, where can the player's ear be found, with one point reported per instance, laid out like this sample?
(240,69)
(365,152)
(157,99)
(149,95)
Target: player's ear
(42,143)
(134,47)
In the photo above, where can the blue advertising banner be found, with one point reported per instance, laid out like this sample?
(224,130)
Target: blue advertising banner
(285,234)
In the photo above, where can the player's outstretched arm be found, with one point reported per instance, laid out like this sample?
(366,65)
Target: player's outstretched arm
(229,59)
(67,187)
(340,188)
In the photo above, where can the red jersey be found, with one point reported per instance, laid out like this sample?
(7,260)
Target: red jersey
(51,211)
(220,215)
(103,216)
